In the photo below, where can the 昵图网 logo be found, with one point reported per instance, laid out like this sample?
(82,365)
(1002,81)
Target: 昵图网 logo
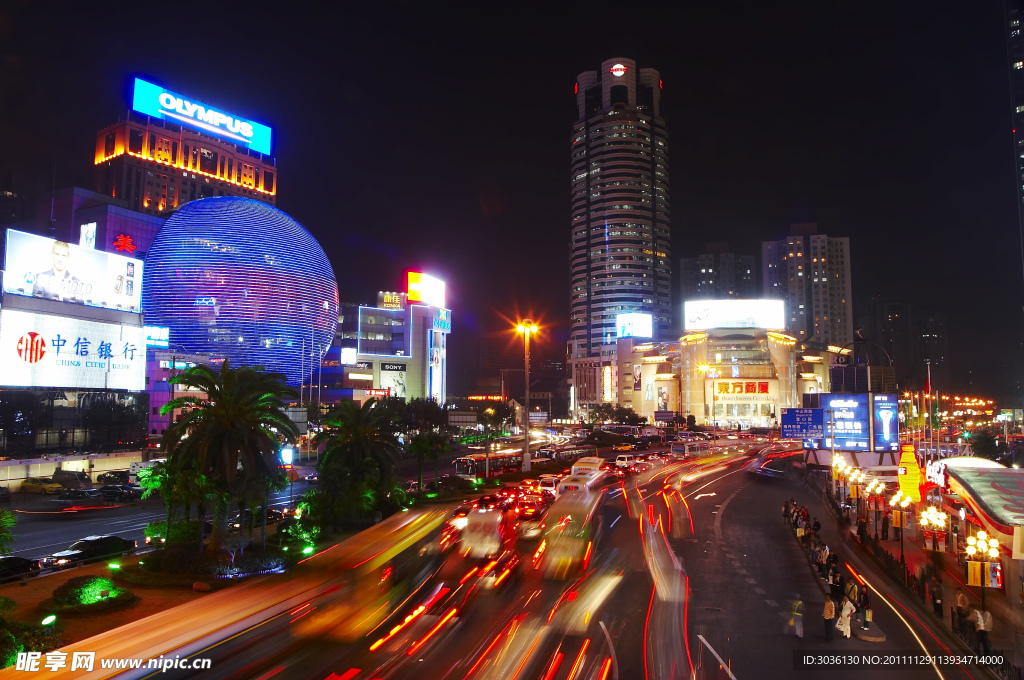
(31,347)
(183,107)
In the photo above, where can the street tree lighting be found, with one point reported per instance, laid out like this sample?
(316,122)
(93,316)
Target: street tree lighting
(899,502)
(525,328)
(875,487)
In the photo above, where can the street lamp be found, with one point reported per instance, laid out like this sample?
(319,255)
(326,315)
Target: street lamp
(933,519)
(525,328)
(898,503)
(981,548)
(875,488)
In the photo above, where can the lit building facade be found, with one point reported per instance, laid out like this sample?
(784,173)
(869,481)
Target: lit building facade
(398,348)
(718,273)
(162,157)
(811,272)
(620,243)
(237,278)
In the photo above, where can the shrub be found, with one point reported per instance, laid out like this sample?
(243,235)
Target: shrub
(84,590)
(10,647)
(178,559)
(181,531)
(7,606)
(34,637)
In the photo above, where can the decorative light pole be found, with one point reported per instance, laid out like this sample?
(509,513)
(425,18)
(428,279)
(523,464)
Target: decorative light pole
(525,328)
(981,549)
(875,488)
(932,519)
(899,502)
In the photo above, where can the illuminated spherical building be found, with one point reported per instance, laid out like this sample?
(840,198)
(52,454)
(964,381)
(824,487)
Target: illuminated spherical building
(237,278)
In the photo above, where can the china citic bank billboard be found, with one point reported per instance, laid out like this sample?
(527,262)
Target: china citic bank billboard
(41,350)
(57,270)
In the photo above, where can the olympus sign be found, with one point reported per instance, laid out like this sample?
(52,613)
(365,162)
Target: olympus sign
(209,116)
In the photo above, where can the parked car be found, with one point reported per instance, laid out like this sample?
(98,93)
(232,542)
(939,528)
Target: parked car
(41,486)
(5,494)
(121,492)
(72,479)
(89,549)
(81,498)
(12,567)
(113,477)
(641,446)
(623,447)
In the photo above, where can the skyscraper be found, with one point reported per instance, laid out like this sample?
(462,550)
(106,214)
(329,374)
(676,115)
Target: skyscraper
(718,273)
(811,272)
(1015,53)
(619,241)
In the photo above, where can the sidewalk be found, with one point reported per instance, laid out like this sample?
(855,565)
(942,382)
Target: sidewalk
(1005,637)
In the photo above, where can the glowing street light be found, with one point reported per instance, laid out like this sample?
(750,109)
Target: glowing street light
(525,328)
(899,502)
(981,548)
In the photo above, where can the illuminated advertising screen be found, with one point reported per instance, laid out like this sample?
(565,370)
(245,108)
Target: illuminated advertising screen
(885,413)
(702,315)
(57,270)
(42,350)
(441,320)
(160,102)
(850,414)
(425,289)
(158,336)
(392,377)
(634,325)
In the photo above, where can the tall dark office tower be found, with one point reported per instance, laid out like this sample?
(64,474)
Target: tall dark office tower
(718,273)
(620,243)
(1014,10)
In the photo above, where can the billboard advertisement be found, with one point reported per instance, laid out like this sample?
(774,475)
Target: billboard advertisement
(425,289)
(392,377)
(634,325)
(886,415)
(702,315)
(158,102)
(850,414)
(57,270)
(42,350)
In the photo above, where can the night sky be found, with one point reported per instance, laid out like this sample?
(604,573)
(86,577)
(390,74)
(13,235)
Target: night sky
(425,135)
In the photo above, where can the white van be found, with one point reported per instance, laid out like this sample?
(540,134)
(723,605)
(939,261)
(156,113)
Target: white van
(133,468)
(548,483)
(625,460)
(588,481)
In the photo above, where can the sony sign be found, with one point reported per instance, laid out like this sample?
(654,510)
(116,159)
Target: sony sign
(153,100)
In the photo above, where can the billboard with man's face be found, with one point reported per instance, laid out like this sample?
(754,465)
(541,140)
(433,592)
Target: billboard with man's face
(37,266)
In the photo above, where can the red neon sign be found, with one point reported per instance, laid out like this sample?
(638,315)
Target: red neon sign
(125,244)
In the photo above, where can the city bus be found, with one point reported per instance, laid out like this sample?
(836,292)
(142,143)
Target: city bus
(567,452)
(691,449)
(574,525)
(478,464)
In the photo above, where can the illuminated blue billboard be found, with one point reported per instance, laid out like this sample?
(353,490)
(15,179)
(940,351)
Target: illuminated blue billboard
(886,415)
(159,102)
(851,417)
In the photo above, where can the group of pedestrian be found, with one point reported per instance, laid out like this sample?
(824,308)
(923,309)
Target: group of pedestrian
(845,597)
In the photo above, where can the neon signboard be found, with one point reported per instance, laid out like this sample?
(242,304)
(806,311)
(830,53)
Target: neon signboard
(634,325)
(426,289)
(618,70)
(158,102)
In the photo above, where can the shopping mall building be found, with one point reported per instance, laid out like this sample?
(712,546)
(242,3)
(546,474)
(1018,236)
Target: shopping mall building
(732,367)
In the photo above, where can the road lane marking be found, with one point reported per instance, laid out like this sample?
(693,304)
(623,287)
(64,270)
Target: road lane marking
(772,603)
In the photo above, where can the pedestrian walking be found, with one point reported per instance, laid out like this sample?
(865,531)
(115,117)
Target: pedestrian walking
(865,608)
(885,526)
(816,526)
(822,561)
(862,530)
(796,619)
(829,616)
(785,511)
(846,611)
(936,593)
(838,584)
(851,590)
(983,625)
(961,610)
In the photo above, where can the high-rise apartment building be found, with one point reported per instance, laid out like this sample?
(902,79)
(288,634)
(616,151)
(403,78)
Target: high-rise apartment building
(172,150)
(717,274)
(1015,52)
(811,272)
(620,246)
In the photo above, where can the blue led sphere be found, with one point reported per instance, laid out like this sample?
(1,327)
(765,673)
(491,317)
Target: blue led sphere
(237,278)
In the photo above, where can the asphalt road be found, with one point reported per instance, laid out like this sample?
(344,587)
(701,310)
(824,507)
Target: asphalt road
(663,599)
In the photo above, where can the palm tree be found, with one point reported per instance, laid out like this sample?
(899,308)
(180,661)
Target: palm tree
(157,479)
(361,446)
(428,446)
(237,428)
(7,521)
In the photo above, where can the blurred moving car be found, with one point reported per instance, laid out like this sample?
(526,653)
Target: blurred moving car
(121,492)
(313,478)
(623,447)
(531,515)
(495,502)
(641,446)
(488,533)
(273,517)
(81,498)
(493,574)
(12,567)
(89,549)
(41,486)
(113,477)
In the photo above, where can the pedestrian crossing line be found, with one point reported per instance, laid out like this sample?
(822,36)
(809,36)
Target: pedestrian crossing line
(751,580)
(772,603)
(760,591)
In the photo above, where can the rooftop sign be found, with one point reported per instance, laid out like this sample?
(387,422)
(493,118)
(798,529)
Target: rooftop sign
(153,100)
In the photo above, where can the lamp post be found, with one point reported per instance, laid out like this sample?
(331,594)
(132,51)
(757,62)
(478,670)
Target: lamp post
(875,488)
(525,328)
(981,548)
(934,519)
(704,368)
(857,478)
(899,502)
